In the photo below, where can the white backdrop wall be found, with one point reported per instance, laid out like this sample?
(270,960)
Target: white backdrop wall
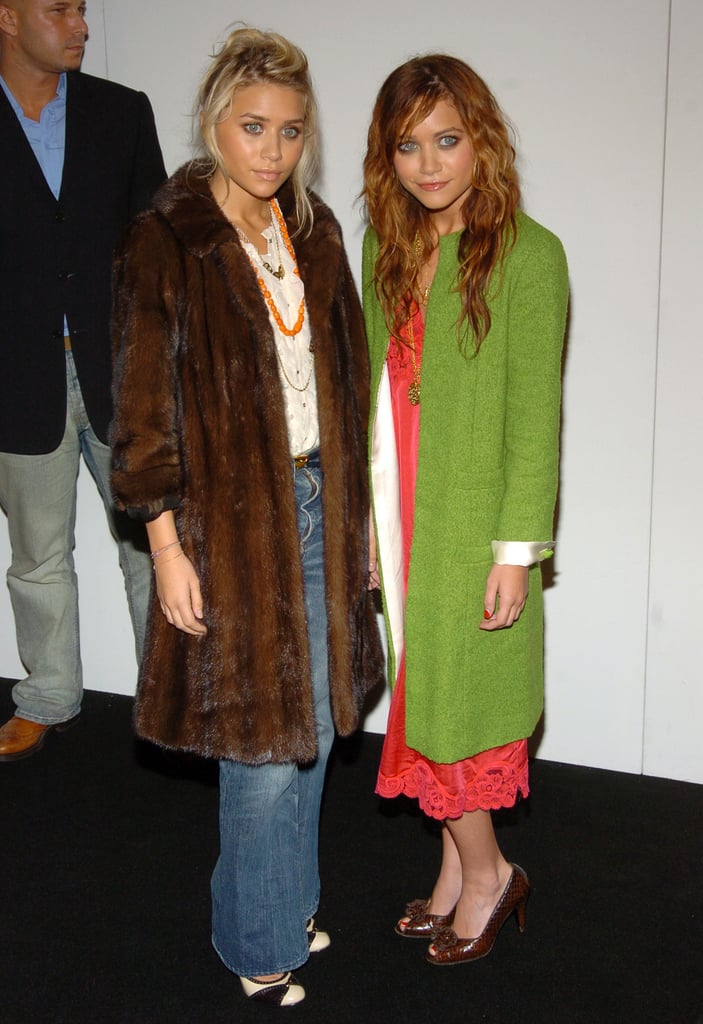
(674,695)
(607,100)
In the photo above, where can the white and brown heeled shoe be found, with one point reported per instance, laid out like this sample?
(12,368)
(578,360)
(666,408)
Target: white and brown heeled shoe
(283,991)
(317,940)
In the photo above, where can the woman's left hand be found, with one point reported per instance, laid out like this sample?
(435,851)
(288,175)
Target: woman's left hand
(506,592)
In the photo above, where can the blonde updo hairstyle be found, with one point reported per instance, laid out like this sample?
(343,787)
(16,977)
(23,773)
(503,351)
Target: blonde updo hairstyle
(252,57)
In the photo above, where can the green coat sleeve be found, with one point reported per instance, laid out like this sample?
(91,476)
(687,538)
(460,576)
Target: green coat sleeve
(537,299)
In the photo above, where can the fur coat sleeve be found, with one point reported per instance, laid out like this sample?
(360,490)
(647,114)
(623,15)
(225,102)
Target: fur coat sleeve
(147,475)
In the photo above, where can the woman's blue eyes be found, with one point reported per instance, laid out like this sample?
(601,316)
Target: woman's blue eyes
(444,142)
(254,128)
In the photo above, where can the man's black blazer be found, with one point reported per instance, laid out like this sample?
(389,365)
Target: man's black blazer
(56,255)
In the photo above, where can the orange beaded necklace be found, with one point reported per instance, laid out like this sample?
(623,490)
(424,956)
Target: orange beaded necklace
(290,332)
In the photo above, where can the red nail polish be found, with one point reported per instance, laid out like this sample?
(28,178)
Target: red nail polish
(487,614)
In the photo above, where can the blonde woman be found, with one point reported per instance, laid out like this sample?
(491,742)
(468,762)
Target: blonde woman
(240,437)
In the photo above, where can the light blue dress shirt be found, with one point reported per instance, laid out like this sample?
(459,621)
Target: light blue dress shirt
(47,137)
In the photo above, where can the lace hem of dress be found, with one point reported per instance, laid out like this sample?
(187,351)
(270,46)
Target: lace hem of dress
(493,787)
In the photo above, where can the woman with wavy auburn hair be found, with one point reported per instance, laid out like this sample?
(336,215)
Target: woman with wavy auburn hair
(465,300)
(241,409)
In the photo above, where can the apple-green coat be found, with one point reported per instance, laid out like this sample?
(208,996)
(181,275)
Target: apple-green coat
(487,470)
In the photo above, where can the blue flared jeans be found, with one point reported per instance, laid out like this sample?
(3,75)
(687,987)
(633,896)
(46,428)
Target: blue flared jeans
(266,881)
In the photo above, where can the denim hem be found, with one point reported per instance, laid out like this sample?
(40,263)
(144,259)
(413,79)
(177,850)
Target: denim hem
(257,971)
(28,717)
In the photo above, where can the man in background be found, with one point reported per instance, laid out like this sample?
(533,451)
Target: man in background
(80,157)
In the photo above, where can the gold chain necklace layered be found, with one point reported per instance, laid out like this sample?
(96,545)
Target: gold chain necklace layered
(280,224)
(296,387)
(424,292)
(414,386)
(281,272)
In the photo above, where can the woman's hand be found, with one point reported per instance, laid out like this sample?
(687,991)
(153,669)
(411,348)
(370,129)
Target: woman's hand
(178,590)
(506,593)
(374,579)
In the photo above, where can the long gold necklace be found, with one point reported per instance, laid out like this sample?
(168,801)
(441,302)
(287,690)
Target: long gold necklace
(414,386)
(424,293)
(424,296)
(296,387)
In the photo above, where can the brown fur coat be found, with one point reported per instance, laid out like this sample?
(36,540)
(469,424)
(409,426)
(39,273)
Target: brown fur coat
(199,427)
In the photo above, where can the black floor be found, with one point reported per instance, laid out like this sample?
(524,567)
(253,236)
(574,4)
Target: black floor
(106,848)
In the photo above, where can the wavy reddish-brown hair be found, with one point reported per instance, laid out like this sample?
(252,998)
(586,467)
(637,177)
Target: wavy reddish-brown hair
(403,225)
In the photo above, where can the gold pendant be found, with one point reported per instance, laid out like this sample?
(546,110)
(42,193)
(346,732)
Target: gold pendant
(414,393)
(279,274)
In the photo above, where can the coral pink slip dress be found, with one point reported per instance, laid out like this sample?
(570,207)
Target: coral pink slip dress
(487,780)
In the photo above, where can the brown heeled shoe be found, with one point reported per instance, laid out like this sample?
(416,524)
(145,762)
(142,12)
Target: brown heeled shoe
(418,924)
(447,948)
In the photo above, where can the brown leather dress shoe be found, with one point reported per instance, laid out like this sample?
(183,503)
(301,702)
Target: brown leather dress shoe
(447,948)
(21,738)
(418,924)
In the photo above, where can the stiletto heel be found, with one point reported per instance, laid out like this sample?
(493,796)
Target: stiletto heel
(446,948)
(521,913)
